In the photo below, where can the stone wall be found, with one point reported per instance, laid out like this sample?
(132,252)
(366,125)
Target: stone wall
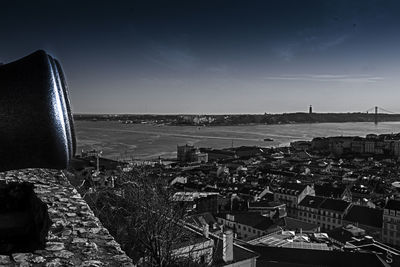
(76,236)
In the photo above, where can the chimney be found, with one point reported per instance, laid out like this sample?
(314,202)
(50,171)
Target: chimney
(206,230)
(227,246)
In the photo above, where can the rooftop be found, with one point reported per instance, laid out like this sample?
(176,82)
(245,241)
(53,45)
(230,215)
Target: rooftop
(335,204)
(240,253)
(280,256)
(252,219)
(393,204)
(365,215)
(291,188)
(312,202)
(265,204)
(288,239)
(328,190)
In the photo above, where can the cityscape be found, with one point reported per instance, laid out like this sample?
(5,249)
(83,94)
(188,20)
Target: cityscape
(326,195)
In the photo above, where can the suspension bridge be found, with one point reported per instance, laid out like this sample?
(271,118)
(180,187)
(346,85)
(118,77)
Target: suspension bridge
(379,110)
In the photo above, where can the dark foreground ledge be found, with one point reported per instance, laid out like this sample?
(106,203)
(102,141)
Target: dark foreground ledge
(76,237)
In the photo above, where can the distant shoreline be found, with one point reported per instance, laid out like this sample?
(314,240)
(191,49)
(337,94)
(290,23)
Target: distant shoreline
(240,119)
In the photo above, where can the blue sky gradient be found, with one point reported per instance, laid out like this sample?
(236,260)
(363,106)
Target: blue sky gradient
(214,56)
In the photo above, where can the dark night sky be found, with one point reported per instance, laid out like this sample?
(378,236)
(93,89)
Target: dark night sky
(214,56)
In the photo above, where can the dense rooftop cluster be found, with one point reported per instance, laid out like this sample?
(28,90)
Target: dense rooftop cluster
(329,193)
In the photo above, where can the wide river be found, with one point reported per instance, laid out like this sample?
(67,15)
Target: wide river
(142,141)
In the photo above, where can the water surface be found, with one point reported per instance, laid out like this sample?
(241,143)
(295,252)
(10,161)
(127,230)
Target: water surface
(143,141)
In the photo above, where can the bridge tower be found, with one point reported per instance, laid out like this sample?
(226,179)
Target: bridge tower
(376,115)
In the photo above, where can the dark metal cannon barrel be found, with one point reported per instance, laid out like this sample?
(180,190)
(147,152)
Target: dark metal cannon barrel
(36,124)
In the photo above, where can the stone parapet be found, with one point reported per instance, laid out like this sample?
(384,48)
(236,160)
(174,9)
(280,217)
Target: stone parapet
(76,236)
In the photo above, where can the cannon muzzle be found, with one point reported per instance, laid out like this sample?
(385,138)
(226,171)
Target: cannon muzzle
(36,124)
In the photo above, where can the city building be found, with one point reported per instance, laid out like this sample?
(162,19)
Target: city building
(369,219)
(292,194)
(333,191)
(268,208)
(391,222)
(326,212)
(184,151)
(219,154)
(290,239)
(248,225)
(188,153)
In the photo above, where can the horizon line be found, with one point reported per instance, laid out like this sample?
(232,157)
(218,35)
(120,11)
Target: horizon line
(227,114)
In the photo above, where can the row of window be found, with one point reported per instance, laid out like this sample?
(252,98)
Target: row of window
(286,197)
(389,233)
(391,220)
(391,212)
(390,226)
(248,229)
(319,217)
(324,225)
(241,228)
(321,212)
